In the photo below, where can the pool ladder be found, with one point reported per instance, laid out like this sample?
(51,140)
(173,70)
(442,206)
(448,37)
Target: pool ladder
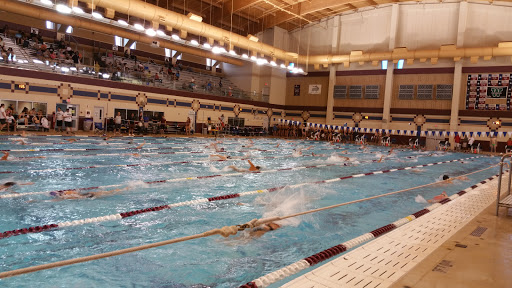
(507,201)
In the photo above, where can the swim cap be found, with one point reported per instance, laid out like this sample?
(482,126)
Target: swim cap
(9,184)
(446,177)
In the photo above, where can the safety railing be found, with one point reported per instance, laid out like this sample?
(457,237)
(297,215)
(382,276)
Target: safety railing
(507,201)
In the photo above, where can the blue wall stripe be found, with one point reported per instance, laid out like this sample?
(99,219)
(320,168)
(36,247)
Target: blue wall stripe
(227,108)
(343,116)
(183,104)
(473,122)
(402,119)
(104,95)
(5,86)
(294,114)
(373,118)
(438,121)
(84,93)
(316,115)
(122,97)
(42,89)
(157,101)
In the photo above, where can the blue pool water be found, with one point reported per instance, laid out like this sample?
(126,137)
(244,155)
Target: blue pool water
(214,261)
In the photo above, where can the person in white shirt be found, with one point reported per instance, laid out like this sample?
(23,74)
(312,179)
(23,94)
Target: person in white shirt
(59,115)
(3,116)
(11,122)
(471,141)
(68,120)
(45,124)
(117,121)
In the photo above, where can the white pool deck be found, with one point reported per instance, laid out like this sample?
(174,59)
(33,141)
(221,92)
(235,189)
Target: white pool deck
(384,260)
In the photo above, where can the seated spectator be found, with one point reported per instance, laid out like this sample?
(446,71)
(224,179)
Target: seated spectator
(2,43)
(10,54)
(45,124)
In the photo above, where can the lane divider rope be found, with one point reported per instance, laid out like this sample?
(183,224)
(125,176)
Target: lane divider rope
(307,262)
(117,216)
(227,231)
(16,195)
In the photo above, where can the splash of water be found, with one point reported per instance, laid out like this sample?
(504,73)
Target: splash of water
(420,199)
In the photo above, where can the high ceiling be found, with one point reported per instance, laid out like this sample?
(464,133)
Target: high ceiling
(252,16)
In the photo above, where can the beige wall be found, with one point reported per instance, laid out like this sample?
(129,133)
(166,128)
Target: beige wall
(361,80)
(306,99)
(171,113)
(417,79)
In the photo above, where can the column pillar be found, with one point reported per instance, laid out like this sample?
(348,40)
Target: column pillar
(457,74)
(330,95)
(388,89)
(336,30)
(454,116)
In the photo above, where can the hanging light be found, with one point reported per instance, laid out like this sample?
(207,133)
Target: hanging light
(97,15)
(194,42)
(122,22)
(161,33)
(175,37)
(150,32)
(138,27)
(63,9)
(232,52)
(207,45)
(273,63)
(245,56)
(282,66)
(47,2)
(77,10)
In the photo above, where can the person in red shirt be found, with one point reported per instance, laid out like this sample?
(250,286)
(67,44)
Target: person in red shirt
(457,141)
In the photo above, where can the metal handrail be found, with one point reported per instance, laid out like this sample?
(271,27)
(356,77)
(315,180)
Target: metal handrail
(508,155)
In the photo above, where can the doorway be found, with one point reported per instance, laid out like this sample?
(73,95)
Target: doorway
(74,112)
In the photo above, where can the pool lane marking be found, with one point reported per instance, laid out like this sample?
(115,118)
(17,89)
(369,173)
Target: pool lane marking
(87,149)
(307,262)
(118,216)
(144,164)
(15,195)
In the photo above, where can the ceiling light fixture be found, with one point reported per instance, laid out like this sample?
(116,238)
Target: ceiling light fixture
(194,42)
(122,22)
(138,27)
(63,9)
(150,32)
(195,17)
(97,15)
(175,37)
(77,10)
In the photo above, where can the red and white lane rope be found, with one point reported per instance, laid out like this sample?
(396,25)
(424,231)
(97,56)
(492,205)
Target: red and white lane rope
(307,262)
(118,216)
(137,165)
(16,195)
(88,149)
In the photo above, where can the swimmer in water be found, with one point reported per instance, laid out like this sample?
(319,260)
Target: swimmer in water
(252,168)
(6,155)
(21,142)
(141,145)
(69,141)
(73,194)
(438,198)
(8,185)
(220,157)
(260,230)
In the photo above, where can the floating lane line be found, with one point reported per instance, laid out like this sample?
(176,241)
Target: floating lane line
(16,195)
(87,149)
(307,262)
(118,216)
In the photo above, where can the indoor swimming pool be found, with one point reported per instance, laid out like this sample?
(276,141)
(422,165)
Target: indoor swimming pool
(174,170)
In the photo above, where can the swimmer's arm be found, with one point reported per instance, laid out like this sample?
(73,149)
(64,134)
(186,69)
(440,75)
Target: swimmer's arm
(380,160)
(252,165)
(28,183)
